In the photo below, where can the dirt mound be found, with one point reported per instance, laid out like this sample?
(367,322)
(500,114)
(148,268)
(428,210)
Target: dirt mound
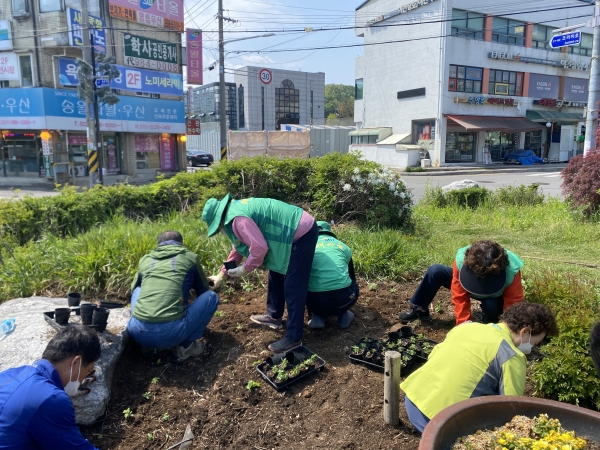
(338,408)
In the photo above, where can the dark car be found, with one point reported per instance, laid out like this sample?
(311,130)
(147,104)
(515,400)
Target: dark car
(199,158)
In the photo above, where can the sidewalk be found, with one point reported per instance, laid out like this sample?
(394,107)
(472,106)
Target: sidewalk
(477,169)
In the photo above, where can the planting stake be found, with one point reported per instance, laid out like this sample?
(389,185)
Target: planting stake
(391,388)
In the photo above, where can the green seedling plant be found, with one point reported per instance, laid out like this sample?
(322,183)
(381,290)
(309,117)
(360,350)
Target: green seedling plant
(165,417)
(282,365)
(220,314)
(146,395)
(295,371)
(248,287)
(150,436)
(393,290)
(372,287)
(282,376)
(239,327)
(252,385)
(257,362)
(128,414)
(155,380)
(355,350)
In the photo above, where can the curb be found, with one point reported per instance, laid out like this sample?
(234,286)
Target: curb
(441,172)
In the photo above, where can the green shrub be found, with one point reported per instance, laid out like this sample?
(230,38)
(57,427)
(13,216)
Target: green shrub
(518,195)
(471,197)
(566,373)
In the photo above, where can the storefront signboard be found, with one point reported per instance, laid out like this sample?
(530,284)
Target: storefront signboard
(193,127)
(150,53)
(76,28)
(167,153)
(145,143)
(76,139)
(156,13)
(402,10)
(135,80)
(576,89)
(564,63)
(543,86)
(6,42)
(487,101)
(554,103)
(194,56)
(57,109)
(9,66)
(46,147)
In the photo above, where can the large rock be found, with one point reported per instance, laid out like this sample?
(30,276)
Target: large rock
(27,342)
(461,184)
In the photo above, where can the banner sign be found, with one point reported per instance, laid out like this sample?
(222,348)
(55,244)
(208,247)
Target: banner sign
(5,35)
(58,109)
(193,127)
(150,53)
(487,101)
(553,103)
(576,89)
(76,29)
(145,143)
(136,80)
(166,14)
(167,153)
(9,66)
(543,86)
(194,56)
(564,63)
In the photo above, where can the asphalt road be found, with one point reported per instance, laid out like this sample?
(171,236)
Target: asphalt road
(9,193)
(549,181)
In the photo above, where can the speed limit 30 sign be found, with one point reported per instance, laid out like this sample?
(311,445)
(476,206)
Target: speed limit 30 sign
(265,76)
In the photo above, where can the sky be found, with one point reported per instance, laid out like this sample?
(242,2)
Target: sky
(287,19)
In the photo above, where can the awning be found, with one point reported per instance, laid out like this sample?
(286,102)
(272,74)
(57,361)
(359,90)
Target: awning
(545,116)
(369,131)
(490,123)
(394,139)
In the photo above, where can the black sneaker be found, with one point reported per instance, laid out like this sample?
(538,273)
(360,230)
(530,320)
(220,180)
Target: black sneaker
(414,314)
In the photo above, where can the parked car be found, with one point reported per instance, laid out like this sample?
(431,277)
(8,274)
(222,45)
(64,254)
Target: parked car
(199,157)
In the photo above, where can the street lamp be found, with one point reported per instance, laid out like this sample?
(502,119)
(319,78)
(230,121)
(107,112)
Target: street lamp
(222,106)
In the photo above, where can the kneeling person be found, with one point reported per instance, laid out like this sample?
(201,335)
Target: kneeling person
(332,287)
(162,318)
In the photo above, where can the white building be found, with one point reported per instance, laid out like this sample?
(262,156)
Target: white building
(460,77)
(273,97)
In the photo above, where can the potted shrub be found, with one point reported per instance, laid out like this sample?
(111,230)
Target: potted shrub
(294,372)
(368,355)
(281,378)
(357,351)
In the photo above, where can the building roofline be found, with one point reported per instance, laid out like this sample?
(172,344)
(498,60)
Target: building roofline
(362,4)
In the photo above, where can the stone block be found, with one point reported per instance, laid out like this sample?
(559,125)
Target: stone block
(461,184)
(27,342)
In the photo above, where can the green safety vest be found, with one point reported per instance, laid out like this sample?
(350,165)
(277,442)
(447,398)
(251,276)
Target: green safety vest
(329,270)
(514,265)
(277,222)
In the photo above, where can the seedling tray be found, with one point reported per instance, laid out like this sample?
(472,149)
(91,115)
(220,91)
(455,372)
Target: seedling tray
(280,387)
(358,360)
(49,317)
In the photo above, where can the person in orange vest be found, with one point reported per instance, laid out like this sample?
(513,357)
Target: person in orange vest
(484,271)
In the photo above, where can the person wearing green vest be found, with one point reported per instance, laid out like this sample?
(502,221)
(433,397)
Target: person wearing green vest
(484,271)
(278,236)
(332,287)
(476,360)
(161,317)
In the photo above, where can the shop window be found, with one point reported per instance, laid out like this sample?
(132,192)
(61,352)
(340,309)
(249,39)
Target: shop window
(358,89)
(26,71)
(541,37)
(147,154)
(51,5)
(423,130)
(468,24)
(585,47)
(507,31)
(287,104)
(465,79)
(503,82)
(460,147)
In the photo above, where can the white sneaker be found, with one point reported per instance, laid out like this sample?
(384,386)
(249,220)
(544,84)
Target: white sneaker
(195,349)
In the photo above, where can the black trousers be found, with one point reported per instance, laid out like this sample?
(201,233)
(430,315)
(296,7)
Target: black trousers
(332,303)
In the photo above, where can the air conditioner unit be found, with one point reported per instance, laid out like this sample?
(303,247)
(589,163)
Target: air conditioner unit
(77,171)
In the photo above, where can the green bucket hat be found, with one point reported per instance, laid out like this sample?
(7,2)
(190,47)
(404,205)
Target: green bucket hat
(213,213)
(324,228)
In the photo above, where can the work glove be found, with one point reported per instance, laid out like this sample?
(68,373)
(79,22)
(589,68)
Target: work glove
(215,281)
(237,272)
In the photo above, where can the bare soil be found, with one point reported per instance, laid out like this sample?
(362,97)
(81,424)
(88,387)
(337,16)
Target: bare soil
(337,408)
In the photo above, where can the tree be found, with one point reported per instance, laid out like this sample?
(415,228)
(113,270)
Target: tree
(104,67)
(339,101)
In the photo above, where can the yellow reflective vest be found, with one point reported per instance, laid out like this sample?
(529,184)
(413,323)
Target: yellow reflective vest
(474,360)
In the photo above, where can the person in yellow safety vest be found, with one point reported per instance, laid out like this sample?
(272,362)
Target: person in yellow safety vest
(476,360)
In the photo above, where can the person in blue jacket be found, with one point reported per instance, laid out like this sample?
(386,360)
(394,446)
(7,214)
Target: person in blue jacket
(35,409)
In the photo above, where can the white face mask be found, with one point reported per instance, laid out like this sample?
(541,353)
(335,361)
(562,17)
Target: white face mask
(73,386)
(525,347)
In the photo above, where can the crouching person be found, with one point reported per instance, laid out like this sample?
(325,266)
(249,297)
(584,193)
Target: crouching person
(162,316)
(35,409)
(332,287)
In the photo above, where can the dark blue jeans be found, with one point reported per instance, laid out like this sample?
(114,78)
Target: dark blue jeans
(164,335)
(438,276)
(290,289)
(332,303)
(416,417)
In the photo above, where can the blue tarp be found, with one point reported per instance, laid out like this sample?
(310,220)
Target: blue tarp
(525,157)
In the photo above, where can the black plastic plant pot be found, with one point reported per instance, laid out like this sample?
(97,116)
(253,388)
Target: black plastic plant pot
(275,359)
(230,265)
(394,335)
(266,370)
(100,318)
(367,340)
(73,298)
(297,356)
(100,327)
(406,331)
(61,315)
(358,355)
(377,359)
(87,309)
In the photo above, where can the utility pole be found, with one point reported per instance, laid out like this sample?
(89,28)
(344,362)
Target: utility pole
(222,105)
(99,147)
(90,111)
(591,123)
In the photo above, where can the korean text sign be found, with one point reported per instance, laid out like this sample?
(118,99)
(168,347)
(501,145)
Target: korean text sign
(167,153)
(150,53)
(157,13)
(9,66)
(194,56)
(76,30)
(137,80)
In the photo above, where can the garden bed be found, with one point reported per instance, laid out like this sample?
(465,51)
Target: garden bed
(338,407)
